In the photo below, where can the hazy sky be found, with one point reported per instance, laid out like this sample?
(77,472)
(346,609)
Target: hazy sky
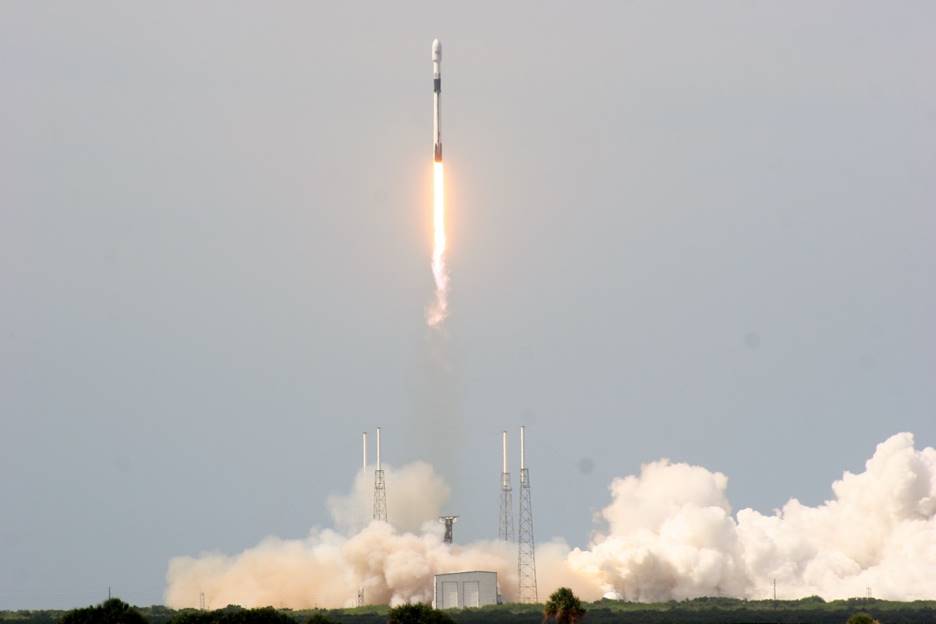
(697,230)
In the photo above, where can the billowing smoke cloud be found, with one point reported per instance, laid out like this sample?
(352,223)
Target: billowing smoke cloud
(416,495)
(669,533)
(327,568)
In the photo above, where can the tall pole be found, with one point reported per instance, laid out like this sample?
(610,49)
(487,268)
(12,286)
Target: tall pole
(380,488)
(364,452)
(505,530)
(522,449)
(526,548)
(360,594)
(503,451)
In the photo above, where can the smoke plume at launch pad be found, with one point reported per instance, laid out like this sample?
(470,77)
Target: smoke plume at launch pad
(668,533)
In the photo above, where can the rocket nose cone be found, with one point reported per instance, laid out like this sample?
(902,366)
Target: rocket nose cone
(436,50)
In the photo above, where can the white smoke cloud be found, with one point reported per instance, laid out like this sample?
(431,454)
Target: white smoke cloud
(394,564)
(668,533)
(415,495)
(878,531)
(671,535)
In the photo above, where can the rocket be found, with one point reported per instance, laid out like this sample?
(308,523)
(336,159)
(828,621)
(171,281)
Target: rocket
(437,100)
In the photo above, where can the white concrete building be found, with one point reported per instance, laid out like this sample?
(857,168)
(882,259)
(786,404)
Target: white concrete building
(465,589)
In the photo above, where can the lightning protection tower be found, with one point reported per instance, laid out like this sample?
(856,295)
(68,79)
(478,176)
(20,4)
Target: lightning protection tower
(360,593)
(505,530)
(526,551)
(364,453)
(380,488)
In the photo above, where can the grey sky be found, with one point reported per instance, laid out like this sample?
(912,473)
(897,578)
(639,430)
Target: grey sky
(695,230)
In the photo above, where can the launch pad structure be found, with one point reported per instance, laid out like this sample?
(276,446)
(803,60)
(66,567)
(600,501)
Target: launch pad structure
(526,545)
(449,522)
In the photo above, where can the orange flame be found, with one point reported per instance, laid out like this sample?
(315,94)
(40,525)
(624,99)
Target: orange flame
(438,310)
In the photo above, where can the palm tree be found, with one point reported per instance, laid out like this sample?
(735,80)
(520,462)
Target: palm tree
(564,607)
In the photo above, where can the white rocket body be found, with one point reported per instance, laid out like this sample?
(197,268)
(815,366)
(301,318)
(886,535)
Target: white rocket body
(437,100)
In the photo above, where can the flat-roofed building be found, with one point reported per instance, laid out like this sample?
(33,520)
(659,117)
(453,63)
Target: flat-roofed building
(458,590)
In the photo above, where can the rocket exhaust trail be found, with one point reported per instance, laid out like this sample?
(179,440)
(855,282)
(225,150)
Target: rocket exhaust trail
(438,310)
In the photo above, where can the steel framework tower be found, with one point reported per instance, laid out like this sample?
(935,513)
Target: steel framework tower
(449,522)
(380,488)
(526,551)
(505,531)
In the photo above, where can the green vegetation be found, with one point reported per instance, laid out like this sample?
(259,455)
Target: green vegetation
(811,610)
(564,607)
(418,614)
(319,618)
(862,618)
(113,611)
(232,614)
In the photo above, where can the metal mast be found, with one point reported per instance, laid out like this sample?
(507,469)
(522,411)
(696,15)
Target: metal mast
(526,551)
(505,531)
(380,488)
(364,454)
(360,593)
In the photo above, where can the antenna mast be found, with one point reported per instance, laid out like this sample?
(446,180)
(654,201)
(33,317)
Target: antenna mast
(364,451)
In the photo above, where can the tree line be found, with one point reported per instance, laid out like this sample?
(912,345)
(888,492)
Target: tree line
(562,607)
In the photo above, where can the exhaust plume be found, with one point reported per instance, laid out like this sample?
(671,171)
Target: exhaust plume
(668,533)
(439,309)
